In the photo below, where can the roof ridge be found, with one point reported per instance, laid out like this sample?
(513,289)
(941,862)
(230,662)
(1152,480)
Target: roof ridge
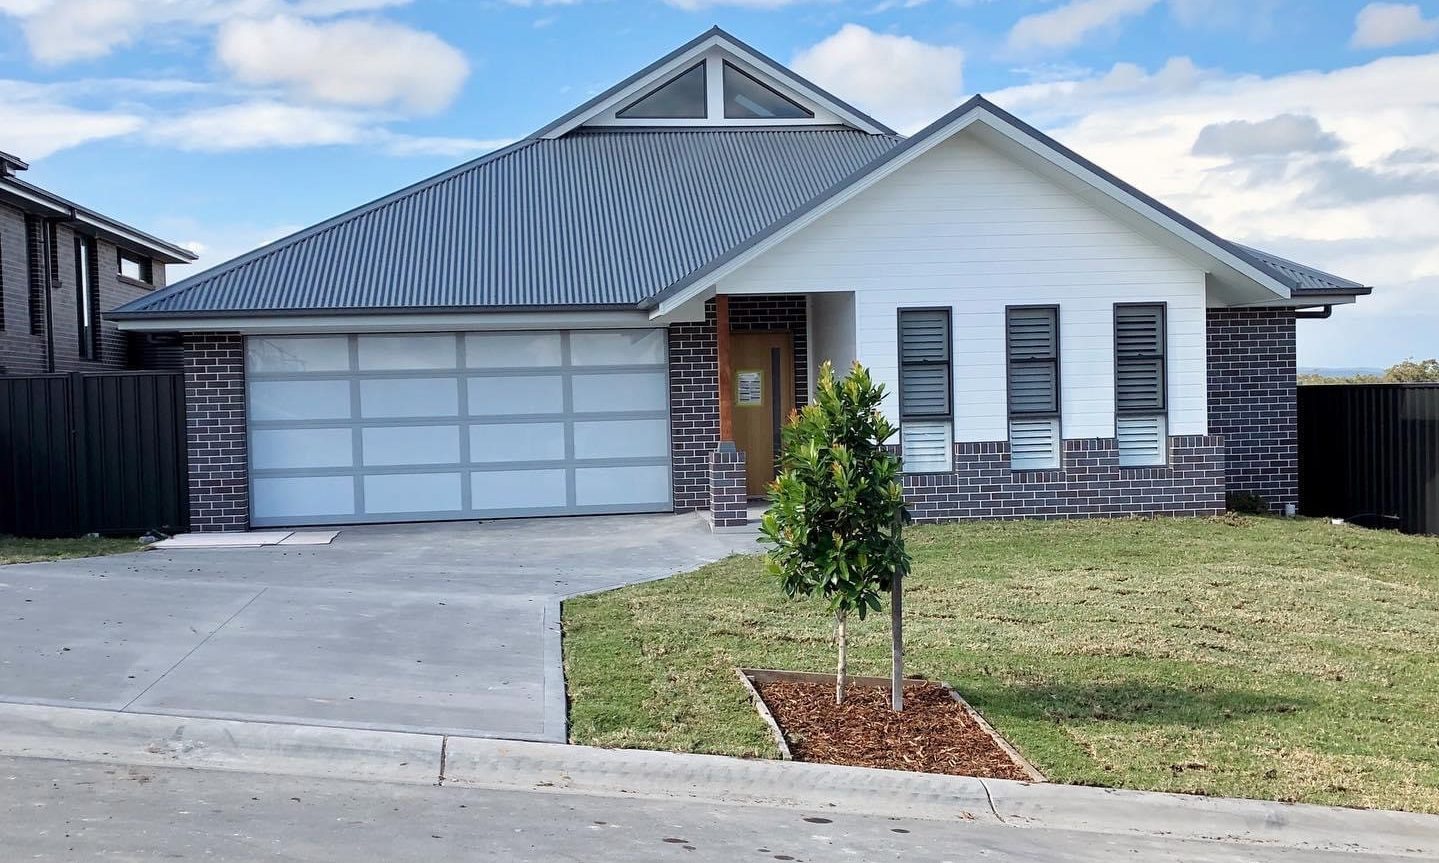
(319,228)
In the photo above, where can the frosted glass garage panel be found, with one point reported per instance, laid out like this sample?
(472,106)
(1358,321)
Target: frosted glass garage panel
(400,445)
(518,489)
(415,493)
(622,439)
(640,391)
(516,396)
(303,497)
(299,400)
(288,449)
(622,486)
(409,397)
(512,350)
(297,354)
(404,353)
(618,348)
(517,442)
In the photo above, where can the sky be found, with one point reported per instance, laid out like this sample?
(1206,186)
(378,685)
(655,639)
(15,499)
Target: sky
(1307,127)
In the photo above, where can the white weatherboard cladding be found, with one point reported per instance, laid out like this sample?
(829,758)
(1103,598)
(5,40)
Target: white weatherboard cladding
(457,425)
(965,227)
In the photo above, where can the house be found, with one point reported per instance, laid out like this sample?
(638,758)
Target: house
(61,265)
(616,314)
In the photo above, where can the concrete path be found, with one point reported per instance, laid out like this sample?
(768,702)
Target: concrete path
(440,628)
(80,782)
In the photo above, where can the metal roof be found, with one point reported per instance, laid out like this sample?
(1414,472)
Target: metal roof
(595,219)
(1306,279)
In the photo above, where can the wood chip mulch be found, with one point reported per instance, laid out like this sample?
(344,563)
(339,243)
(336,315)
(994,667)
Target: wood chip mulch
(932,735)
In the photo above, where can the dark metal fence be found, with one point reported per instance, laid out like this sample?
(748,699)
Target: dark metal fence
(101,453)
(1370,453)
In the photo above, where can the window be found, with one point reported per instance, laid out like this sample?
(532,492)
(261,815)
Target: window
(137,268)
(747,99)
(87,299)
(1032,346)
(1140,400)
(926,387)
(680,98)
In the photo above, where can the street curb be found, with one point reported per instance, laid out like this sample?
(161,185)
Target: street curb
(75,734)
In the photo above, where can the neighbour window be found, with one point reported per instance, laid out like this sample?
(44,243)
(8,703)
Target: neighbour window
(1140,400)
(37,246)
(135,267)
(680,98)
(1032,347)
(926,386)
(748,99)
(87,300)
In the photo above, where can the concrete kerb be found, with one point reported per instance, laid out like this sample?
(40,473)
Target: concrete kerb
(150,740)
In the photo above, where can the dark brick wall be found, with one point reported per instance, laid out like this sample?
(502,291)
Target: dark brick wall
(728,503)
(215,429)
(23,352)
(1252,400)
(1090,483)
(694,385)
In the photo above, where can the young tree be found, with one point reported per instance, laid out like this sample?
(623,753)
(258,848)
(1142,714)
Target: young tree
(834,527)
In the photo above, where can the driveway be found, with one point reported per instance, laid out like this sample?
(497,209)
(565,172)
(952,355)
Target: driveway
(444,628)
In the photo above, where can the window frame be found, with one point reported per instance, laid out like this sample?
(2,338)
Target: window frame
(146,266)
(1009,363)
(726,65)
(1162,356)
(87,295)
(703,65)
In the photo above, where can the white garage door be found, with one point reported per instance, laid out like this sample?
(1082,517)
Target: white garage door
(366,428)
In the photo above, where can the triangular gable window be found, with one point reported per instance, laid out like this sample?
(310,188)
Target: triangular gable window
(680,98)
(747,99)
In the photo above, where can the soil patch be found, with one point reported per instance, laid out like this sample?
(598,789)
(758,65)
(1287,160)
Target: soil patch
(932,735)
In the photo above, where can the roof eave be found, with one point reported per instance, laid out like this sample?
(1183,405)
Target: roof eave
(55,206)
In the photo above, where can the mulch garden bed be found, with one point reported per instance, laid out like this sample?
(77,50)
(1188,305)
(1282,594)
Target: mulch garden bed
(934,734)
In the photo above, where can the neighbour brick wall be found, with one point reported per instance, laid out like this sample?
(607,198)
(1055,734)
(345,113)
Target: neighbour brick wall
(215,430)
(1090,483)
(1252,380)
(23,351)
(694,385)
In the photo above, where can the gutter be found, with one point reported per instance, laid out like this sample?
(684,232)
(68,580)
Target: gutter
(1314,314)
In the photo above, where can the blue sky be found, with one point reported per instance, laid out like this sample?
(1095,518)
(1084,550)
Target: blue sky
(1307,126)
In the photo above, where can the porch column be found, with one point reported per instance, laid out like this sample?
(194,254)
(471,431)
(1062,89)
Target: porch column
(729,506)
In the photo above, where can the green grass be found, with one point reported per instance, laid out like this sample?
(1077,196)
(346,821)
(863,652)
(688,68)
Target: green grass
(16,550)
(1249,657)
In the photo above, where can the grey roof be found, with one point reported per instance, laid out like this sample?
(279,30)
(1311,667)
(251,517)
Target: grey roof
(30,197)
(11,163)
(596,219)
(1306,280)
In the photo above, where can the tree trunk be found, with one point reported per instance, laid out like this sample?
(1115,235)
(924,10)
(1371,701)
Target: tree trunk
(896,643)
(843,672)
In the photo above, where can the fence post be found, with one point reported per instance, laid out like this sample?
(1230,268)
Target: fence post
(79,454)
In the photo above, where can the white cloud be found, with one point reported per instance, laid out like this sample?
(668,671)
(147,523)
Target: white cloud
(1380,25)
(1068,25)
(37,122)
(347,62)
(62,31)
(1358,194)
(257,124)
(695,5)
(904,81)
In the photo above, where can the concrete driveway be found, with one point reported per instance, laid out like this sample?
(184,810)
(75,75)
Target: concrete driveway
(443,628)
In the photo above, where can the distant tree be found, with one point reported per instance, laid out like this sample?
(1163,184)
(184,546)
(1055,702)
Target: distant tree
(837,511)
(1413,371)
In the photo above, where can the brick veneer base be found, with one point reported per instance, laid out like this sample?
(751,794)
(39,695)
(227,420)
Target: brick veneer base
(1090,484)
(215,430)
(1252,400)
(728,502)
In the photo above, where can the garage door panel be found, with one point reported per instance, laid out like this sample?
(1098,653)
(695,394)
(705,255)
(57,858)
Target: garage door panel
(517,442)
(413,493)
(517,395)
(289,449)
(457,425)
(300,400)
(401,445)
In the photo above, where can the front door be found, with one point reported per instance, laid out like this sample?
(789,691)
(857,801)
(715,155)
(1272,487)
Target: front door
(762,367)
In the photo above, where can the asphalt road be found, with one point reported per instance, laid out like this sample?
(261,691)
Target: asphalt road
(64,810)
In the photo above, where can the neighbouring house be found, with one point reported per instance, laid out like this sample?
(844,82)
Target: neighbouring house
(616,314)
(61,265)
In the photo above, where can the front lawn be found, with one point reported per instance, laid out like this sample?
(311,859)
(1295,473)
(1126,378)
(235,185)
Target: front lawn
(1248,657)
(16,550)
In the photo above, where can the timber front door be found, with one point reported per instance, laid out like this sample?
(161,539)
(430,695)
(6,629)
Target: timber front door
(762,389)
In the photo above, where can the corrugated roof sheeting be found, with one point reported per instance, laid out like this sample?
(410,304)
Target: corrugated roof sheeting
(590,219)
(1304,278)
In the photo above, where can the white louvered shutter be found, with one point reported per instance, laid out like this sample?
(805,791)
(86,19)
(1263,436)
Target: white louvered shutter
(926,447)
(1142,440)
(1034,444)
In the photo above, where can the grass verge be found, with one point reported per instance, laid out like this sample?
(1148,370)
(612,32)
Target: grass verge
(1249,657)
(16,550)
